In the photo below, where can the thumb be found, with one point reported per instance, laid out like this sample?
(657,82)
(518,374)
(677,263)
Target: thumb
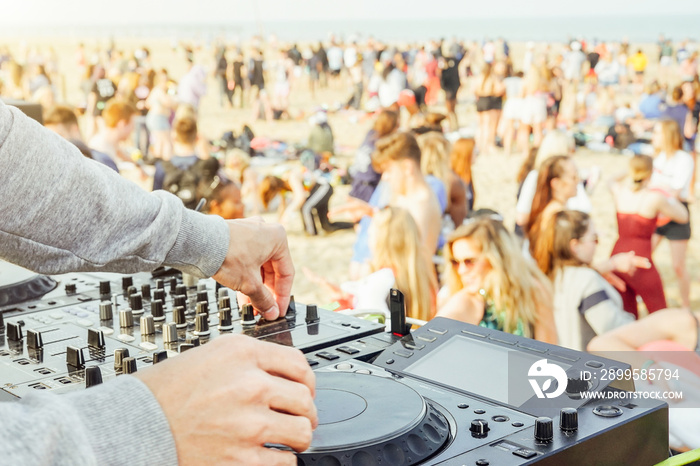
(262,300)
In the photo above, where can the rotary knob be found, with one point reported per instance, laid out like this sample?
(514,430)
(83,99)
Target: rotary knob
(160,284)
(130,291)
(201,324)
(202,307)
(119,355)
(479,428)
(568,419)
(181,289)
(225,319)
(105,290)
(157,311)
(170,333)
(129,366)
(292,308)
(311,314)
(179,317)
(158,295)
(221,292)
(146,291)
(544,429)
(180,300)
(224,302)
(136,303)
(70,288)
(106,310)
(127,282)
(126,318)
(147,326)
(173,285)
(93,376)
(247,316)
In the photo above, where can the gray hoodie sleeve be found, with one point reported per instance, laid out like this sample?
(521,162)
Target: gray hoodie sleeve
(119,422)
(61,212)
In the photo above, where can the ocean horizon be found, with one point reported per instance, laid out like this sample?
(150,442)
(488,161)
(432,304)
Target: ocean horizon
(639,29)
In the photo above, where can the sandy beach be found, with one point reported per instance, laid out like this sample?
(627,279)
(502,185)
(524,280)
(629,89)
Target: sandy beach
(328,255)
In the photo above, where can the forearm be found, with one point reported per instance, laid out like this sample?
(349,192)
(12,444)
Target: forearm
(119,422)
(62,212)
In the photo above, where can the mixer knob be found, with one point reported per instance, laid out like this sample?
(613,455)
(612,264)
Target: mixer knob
(34,339)
(105,289)
(201,324)
(96,338)
(159,295)
(221,292)
(127,282)
(14,331)
(194,341)
(146,291)
(157,310)
(130,291)
(106,310)
(247,316)
(180,300)
(93,376)
(568,419)
(136,303)
(181,289)
(119,355)
(70,288)
(202,296)
(147,326)
(479,428)
(74,357)
(129,366)
(159,356)
(170,333)
(225,320)
(160,284)
(224,302)
(292,308)
(179,317)
(202,307)
(312,314)
(126,318)
(544,429)
(173,286)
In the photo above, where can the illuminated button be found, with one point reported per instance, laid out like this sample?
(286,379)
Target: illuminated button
(439,331)
(344,366)
(348,350)
(525,453)
(428,339)
(148,346)
(124,337)
(328,356)
(403,354)
(363,371)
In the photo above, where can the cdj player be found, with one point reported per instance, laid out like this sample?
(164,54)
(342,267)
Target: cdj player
(447,393)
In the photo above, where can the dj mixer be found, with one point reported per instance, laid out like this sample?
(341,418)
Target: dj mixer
(438,394)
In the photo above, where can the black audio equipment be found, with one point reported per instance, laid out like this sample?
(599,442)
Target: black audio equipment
(440,394)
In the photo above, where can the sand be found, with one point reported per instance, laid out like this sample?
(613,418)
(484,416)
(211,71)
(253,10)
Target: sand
(329,255)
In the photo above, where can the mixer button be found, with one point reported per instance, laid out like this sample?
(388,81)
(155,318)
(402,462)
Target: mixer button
(414,346)
(34,339)
(439,331)
(84,322)
(428,339)
(14,331)
(148,346)
(482,462)
(125,338)
(344,366)
(403,353)
(525,453)
(312,362)
(348,350)
(327,356)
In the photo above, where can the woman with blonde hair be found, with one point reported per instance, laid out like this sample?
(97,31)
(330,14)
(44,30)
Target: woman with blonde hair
(673,170)
(435,161)
(492,284)
(638,212)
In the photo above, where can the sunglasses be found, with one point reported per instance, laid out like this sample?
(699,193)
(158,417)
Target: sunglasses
(468,262)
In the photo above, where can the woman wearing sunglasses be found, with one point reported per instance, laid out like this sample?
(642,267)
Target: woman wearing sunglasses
(490,283)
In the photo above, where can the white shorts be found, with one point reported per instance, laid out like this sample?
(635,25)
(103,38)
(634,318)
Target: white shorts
(513,108)
(534,110)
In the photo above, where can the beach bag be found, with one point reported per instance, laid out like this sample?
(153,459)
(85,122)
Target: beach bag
(190,184)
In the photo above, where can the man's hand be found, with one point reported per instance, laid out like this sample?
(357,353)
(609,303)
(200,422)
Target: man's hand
(258,264)
(225,400)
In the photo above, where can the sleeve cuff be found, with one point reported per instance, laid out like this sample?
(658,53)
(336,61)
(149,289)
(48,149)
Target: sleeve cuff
(201,244)
(125,424)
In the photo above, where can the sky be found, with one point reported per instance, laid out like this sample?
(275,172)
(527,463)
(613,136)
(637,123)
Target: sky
(76,12)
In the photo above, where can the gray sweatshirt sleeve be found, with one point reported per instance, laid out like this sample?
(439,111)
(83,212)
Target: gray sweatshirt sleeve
(61,212)
(116,423)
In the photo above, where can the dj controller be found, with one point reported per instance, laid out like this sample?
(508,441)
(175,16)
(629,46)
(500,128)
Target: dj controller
(439,394)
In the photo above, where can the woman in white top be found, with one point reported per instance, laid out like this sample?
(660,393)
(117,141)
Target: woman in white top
(673,170)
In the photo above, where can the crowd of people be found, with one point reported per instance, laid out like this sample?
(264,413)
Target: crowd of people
(412,200)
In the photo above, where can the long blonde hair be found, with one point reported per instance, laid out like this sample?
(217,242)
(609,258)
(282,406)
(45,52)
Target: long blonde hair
(396,244)
(515,284)
(435,158)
